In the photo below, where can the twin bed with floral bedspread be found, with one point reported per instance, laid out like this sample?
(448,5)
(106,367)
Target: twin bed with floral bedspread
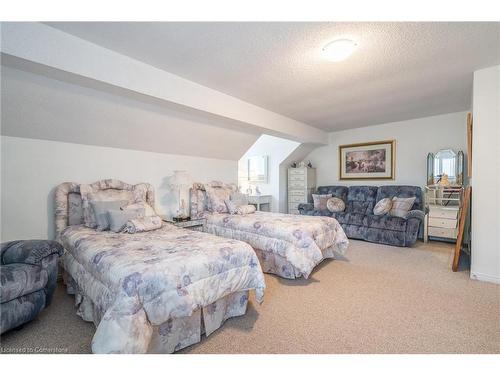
(289,246)
(155,291)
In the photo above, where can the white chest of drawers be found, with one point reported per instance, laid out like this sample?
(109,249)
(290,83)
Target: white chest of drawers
(442,222)
(301,184)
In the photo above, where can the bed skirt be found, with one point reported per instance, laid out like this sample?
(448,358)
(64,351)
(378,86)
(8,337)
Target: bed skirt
(174,334)
(278,265)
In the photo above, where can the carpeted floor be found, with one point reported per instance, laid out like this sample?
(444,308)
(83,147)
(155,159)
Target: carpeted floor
(379,299)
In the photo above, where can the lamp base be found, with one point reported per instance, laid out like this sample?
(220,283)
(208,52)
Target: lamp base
(180,219)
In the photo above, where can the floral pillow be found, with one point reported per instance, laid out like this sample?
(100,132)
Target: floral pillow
(216,198)
(382,207)
(335,204)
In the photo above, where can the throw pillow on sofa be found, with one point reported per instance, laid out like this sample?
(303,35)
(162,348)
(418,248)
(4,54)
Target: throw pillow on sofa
(383,206)
(401,206)
(335,204)
(320,201)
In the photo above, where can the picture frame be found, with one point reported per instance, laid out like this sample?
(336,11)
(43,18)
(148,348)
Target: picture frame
(367,161)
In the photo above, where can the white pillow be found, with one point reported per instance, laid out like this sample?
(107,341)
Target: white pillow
(335,204)
(401,206)
(247,209)
(382,207)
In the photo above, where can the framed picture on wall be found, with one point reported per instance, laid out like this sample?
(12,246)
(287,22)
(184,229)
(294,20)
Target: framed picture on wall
(370,160)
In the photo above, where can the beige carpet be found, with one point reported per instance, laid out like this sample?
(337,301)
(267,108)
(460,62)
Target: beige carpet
(380,299)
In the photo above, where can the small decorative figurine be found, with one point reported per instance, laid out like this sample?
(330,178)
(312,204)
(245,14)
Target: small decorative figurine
(257,190)
(302,164)
(309,164)
(249,190)
(294,164)
(444,180)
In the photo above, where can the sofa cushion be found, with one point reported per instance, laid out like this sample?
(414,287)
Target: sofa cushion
(361,199)
(358,207)
(18,279)
(362,193)
(336,191)
(402,191)
(341,217)
(358,219)
(386,222)
(321,213)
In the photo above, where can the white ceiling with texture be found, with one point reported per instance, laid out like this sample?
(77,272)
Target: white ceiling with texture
(400,70)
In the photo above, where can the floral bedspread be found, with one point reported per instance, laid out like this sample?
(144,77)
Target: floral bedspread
(301,240)
(151,277)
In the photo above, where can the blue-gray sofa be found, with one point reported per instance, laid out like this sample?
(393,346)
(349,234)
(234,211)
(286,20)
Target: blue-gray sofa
(358,220)
(28,275)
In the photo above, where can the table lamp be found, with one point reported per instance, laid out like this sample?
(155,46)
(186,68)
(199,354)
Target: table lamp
(179,181)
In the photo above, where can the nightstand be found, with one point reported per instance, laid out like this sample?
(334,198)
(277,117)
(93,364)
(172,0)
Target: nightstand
(260,202)
(196,224)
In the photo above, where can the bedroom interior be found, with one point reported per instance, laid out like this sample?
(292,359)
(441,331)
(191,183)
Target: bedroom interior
(250,187)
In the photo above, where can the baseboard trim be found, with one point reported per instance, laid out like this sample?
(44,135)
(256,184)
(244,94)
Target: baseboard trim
(485,277)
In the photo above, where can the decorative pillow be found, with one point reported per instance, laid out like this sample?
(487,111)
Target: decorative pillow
(239,199)
(132,194)
(401,206)
(119,218)
(101,208)
(335,204)
(247,209)
(148,210)
(145,224)
(231,206)
(320,201)
(216,198)
(383,206)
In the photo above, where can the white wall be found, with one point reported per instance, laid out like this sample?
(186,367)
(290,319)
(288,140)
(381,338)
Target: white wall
(277,149)
(31,169)
(485,260)
(414,139)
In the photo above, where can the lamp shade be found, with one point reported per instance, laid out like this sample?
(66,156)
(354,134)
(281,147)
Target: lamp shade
(180,179)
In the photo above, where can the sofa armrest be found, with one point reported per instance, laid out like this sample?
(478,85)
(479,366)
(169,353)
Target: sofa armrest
(29,252)
(415,214)
(415,220)
(304,207)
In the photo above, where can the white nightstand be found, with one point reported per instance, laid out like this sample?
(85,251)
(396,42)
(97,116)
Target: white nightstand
(261,200)
(196,224)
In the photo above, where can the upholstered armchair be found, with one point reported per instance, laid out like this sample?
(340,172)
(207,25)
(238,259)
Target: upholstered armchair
(28,273)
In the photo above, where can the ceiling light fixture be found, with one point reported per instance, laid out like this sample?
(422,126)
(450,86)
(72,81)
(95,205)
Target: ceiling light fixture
(339,50)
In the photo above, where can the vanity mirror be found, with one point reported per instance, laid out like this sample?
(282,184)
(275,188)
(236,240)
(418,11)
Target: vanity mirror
(445,167)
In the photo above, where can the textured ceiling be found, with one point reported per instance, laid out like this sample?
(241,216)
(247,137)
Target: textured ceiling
(400,70)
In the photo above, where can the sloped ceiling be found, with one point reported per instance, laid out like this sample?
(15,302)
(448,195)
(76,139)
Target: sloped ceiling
(400,71)
(35,106)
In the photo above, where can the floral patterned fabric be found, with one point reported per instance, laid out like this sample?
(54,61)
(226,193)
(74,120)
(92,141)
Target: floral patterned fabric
(68,201)
(109,190)
(217,197)
(144,224)
(298,239)
(28,273)
(139,283)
